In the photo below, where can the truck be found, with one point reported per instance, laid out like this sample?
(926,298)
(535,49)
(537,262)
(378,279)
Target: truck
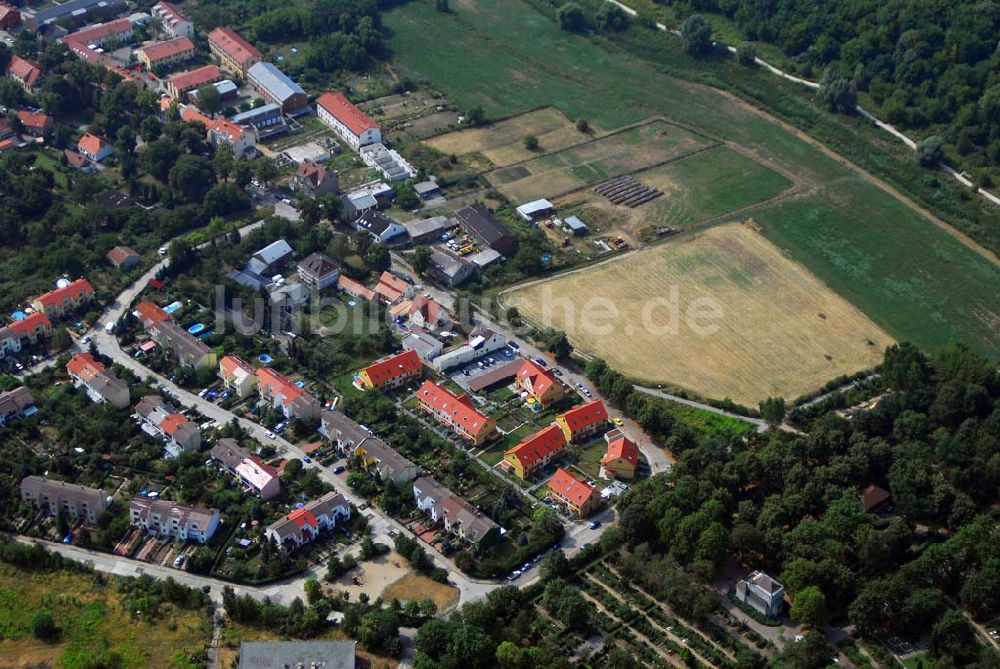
(109,328)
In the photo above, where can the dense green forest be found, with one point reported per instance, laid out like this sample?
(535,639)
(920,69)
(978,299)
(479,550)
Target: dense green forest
(790,504)
(932,66)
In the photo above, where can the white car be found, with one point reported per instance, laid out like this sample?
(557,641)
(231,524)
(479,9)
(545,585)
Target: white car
(269,434)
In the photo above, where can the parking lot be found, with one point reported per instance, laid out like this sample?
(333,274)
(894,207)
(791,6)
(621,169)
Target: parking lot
(482,366)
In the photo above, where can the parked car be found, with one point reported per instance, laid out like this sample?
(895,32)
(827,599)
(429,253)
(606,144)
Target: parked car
(618,421)
(339,469)
(179,562)
(541,362)
(306,459)
(594,524)
(269,434)
(513,344)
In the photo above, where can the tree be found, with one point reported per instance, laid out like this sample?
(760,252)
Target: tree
(555,566)
(476,116)
(930,151)
(209,99)
(420,260)
(953,637)
(191,178)
(611,18)
(746,54)
(181,255)
(571,17)
(696,33)
(809,606)
(377,257)
(582,125)
(530,142)
(43,625)
(838,93)
(442,6)
(558,345)
(772,410)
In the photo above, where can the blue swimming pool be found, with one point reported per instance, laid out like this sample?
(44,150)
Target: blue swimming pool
(196,328)
(19,315)
(265,358)
(300,384)
(172,307)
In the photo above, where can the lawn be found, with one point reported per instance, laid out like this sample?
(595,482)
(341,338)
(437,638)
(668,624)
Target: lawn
(946,293)
(624,152)
(515,59)
(719,311)
(93,621)
(705,423)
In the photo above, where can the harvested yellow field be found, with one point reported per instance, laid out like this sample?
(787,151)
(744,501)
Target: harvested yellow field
(720,312)
(502,143)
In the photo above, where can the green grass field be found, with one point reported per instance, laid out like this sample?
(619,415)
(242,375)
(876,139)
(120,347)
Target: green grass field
(706,423)
(515,58)
(709,184)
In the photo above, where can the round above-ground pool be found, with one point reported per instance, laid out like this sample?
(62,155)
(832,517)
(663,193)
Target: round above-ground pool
(351,303)
(196,328)
(300,384)
(265,358)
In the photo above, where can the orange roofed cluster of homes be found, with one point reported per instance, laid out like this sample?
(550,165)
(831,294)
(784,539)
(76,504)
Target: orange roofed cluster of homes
(272,386)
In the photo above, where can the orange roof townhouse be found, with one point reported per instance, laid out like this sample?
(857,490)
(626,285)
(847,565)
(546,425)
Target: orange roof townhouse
(238,375)
(294,402)
(233,52)
(64,300)
(242,139)
(180,84)
(390,372)
(352,124)
(581,497)
(101,385)
(583,421)
(30,328)
(35,123)
(541,385)
(455,412)
(168,52)
(535,451)
(27,73)
(150,314)
(622,457)
(355,289)
(93,147)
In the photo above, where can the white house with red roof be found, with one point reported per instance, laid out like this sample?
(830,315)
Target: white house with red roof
(456,412)
(238,375)
(27,330)
(172,20)
(294,402)
(427,313)
(93,147)
(304,524)
(63,300)
(101,385)
(353,125)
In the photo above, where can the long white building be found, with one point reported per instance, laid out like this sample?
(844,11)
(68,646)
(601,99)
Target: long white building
(344,118)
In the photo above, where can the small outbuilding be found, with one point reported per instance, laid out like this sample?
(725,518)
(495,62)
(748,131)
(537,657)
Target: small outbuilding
(532,211)
(575,226)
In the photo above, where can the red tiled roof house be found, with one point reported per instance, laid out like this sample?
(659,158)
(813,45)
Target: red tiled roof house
(391,372)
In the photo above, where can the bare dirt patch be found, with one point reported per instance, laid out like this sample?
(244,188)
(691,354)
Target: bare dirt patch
(417,587)
(781,331)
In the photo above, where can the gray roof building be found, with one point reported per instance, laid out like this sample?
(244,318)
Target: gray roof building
(229,452)
(295,654)
(451,269)
(351,437)
(487,230)
(426,345)
(319,271)
(76,10)
(16,404)
(54,496)
(427,229)
(270,257)
(277,87)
